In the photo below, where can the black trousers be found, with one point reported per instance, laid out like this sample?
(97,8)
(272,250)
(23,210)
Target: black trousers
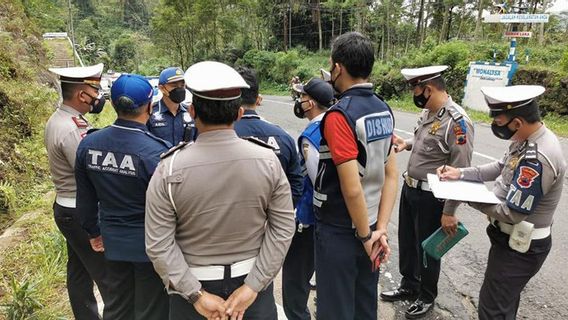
(297,270)
(346,287)
(137,292)
(263,308)
(419,216)
(507,273)
(83,266)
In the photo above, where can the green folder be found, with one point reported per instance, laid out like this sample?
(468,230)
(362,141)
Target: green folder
(437,244)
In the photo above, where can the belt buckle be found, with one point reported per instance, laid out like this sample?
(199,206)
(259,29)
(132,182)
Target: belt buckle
(408,180)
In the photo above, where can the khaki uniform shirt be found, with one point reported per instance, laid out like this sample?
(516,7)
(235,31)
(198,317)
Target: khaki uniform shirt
(520,185)
(444,138)
(231,202)
(63,132)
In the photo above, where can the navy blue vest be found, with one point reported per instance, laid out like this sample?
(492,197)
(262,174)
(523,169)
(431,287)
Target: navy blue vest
(305,207)
(372,123)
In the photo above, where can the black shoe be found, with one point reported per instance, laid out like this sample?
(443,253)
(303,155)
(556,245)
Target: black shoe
(399,295)
(418,309)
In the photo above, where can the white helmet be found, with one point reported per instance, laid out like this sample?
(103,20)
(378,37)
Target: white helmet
(214,81)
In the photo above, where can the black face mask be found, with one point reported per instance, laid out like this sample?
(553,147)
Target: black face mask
(503,132)
(97,103)
(420,100)
(298,111)
(177,95)
(332,81)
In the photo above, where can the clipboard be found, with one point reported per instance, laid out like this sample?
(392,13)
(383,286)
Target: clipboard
(466,191)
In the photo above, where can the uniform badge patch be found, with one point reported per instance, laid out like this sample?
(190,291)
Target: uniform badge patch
(525,191)
(80,122)
(435,127)
(527,175)
(459,131)
(512,164)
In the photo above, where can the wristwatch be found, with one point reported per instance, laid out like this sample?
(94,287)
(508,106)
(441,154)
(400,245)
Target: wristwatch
(365,238)
(192,298)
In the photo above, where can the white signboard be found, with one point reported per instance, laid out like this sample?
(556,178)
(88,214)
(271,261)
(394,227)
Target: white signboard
(518,34)
(483,74)
(516,18)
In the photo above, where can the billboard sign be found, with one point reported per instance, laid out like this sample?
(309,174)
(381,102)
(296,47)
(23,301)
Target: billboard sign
(516,18)
(484,74)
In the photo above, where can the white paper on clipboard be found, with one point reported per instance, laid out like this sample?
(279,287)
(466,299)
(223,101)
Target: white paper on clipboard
(465,191)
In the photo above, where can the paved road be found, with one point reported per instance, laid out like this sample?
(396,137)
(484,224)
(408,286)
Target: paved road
(463,267)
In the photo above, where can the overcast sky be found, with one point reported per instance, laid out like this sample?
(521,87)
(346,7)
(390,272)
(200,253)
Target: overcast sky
(559,5)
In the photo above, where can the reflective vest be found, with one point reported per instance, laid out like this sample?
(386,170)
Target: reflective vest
(372,123)
(305,207)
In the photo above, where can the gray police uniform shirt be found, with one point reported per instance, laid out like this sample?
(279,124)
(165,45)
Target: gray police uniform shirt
(444,138)
(528,180)
(64,130)
(232,203)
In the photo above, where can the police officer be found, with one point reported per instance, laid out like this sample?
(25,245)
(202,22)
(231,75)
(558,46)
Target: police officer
(444,136)
(170,119)
(252,125)
(316,97)
(219,215)
(113,169)
(528,181)
(355,187)
(64,130)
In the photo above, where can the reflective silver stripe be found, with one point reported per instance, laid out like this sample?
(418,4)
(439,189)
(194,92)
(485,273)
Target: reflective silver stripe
(444,150)
(170,171)
(325,155)
(320,196)
(361,169)
(317,203)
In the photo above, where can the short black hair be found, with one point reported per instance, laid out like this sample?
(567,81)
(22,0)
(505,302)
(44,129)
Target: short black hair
(123,108)
(439,83)
(216,111)
(68,90)
(354,51)
(530,113)
(248,96)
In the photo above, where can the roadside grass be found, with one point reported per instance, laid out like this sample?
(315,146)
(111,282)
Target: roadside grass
(34,271)
(273,89)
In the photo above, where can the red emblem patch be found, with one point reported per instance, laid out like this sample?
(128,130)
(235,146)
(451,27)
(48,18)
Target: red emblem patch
(460,135)
(526,176)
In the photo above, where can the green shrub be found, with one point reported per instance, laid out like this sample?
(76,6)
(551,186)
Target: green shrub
(24,303)
(285,67)
(564,62)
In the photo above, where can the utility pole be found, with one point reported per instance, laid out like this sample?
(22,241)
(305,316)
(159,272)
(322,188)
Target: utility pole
(72,31)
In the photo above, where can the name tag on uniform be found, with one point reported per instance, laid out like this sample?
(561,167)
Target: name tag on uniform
(378,127)
(159,124)
(113,162)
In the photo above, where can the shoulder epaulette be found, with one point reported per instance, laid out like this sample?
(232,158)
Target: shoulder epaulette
(180,146)
(532,151)
(258,142)
(455,114)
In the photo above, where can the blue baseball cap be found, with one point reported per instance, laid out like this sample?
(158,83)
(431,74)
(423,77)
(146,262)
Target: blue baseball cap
(131,91)
(171,74)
